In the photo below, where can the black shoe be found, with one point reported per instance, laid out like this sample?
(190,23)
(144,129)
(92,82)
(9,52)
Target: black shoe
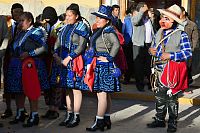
(53,115)
(47,114)
(8,113)
(32,120)
(98,125)
(20,117)
(74,122)
(1,124)
(172,127)
(156,123)
(107,122)
(68,118)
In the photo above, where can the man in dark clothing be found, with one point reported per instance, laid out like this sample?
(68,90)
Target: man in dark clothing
(116,21)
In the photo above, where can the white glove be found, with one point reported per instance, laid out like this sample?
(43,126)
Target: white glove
(169,92)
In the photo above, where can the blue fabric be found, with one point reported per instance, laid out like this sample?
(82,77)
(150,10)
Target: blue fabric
(65,35)
(14,76)
(82,30)
(185,49)
(104,79)
(104,12)
(65,79)
(89,54)
(185,52)
(36,34)
(127,29)
(73,55)
(17,40)
(68,48)
(109,29)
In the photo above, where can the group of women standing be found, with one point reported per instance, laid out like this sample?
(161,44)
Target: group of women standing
(82,61)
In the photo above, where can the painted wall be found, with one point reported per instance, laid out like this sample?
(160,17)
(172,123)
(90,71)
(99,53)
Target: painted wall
(36,6)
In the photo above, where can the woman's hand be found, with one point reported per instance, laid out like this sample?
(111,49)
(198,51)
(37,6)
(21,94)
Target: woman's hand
(24,55)
(102,59)
(66,60)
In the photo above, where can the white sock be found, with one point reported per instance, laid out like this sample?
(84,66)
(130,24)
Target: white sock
(99,117)
(76,113)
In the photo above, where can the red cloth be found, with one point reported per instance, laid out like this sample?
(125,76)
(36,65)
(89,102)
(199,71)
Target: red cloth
(120,60)
(90,75)
(120,37)
(175,76)
(30,80)
(78,65)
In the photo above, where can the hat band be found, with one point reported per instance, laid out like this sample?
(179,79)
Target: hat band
(172,13)
(102,14)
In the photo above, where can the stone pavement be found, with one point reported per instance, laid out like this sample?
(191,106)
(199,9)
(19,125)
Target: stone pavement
(128,116)
(131,111)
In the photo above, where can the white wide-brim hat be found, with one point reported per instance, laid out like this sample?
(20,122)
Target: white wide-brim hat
(173,12)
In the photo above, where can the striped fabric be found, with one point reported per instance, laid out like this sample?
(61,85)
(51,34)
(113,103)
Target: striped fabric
(185,49)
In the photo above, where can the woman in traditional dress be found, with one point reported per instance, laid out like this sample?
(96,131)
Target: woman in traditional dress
(105,45)
(26,51)
(68,63)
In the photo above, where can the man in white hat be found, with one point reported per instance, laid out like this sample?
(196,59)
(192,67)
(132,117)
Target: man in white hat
(171,46)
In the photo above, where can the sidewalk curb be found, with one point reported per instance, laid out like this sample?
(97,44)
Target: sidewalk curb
(145,97)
